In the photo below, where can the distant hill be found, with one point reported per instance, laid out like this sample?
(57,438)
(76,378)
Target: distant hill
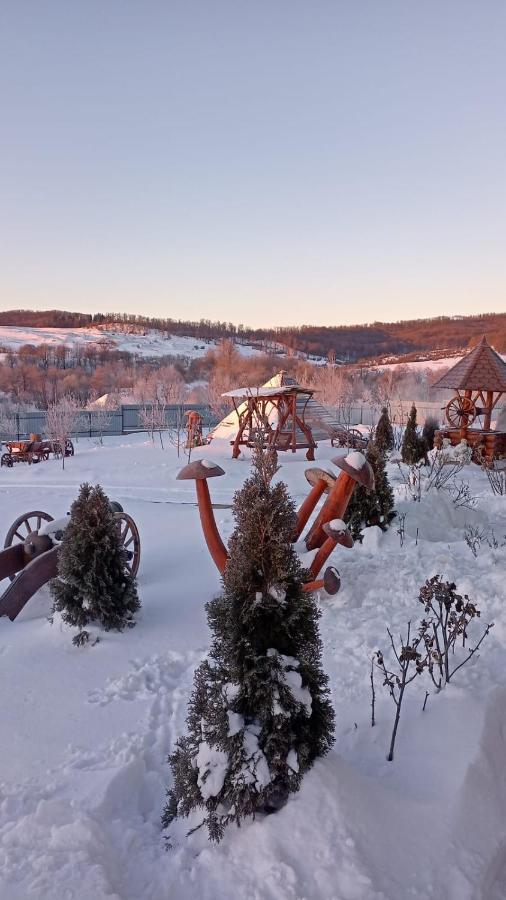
(350,343)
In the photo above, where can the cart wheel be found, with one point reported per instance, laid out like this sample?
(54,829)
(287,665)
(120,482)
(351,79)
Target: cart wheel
(131,541)
(7,460)
(459,410)
(23,526)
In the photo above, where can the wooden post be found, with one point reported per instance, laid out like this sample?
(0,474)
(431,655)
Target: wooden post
(463,428)
(488,411)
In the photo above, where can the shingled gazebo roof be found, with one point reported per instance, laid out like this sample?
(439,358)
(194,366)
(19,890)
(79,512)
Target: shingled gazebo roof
(481,370)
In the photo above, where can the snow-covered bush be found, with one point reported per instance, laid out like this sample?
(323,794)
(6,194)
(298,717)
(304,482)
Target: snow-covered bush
(260,711)
(463,453)
(430,646)
(447,619)
(496,475)
(93,583)
(439,474)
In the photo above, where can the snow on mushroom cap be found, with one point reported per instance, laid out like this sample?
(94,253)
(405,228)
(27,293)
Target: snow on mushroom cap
(355,459)
(338,525)
(209,464)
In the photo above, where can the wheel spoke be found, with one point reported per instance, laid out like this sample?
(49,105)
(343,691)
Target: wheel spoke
(129,541)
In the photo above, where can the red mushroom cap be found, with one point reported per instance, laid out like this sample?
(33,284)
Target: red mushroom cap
(357,467)
(315,474)
(199,470)
(331,580)
(338,534)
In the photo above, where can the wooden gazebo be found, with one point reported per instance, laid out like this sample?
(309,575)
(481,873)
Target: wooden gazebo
(276,415)
(479,380)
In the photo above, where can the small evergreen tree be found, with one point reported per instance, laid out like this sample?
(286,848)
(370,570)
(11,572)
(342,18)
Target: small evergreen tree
(371,507)
(260,711)
(93,583)
(384,434)
(413,447)
(429,429)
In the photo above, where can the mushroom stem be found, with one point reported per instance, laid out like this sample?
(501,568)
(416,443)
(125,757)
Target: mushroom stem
(322,556)
(333,508)
(310,586)
(330,583)
(214,542)
(307,507)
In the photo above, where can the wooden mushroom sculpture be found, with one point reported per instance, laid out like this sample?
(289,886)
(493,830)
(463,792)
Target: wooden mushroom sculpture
(337,533)
(199,471)
(355,469)
(331,582)
(321,483)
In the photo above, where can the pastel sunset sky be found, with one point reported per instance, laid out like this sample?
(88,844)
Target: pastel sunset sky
(257,161)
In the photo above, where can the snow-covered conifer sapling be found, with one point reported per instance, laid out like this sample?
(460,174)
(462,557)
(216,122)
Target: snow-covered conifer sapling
(93,583)
(260,711)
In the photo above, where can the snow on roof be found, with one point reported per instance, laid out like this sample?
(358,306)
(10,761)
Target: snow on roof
(263,391)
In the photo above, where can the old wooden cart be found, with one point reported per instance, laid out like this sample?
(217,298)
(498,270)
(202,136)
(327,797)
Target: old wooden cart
(30,555)
(33,450)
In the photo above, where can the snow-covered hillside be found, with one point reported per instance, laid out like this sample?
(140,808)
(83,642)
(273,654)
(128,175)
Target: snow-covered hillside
(430,362)
(151,344)
(85,732)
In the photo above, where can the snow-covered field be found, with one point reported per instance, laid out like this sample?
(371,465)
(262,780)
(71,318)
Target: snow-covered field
(85,732)
(151,344)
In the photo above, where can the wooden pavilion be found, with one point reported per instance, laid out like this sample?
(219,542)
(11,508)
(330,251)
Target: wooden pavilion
(480,381)
(276,414)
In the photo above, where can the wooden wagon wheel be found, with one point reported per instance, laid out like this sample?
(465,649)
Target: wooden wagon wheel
(23,526)
(129,535)
(459,410)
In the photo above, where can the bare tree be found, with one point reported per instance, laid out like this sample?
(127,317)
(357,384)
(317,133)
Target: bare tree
(408,664)
(450,615)
(219,383)
(153,417)
(496,477)
(8,423)
(103,410)
(62,419)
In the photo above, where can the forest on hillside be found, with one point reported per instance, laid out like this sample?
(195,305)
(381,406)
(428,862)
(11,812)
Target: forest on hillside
(349,343)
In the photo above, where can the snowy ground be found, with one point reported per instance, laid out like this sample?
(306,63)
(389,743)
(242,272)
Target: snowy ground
(85,732)
(152,344)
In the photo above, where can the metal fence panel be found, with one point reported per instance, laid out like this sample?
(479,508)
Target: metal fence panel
(127,418)
(93,423)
